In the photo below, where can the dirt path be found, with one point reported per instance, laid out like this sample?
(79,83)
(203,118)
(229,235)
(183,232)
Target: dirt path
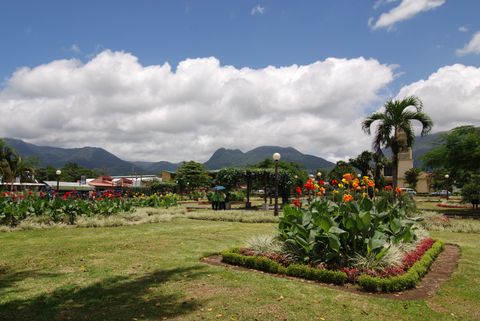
(440,271)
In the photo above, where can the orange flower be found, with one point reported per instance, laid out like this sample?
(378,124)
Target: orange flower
(348,177)
(371,183)
(347,197)
(398,190)
(309,185)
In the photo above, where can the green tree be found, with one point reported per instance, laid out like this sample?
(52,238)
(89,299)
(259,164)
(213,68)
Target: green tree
(471,191)
(362,162)
(396,119)
(12,165)
(380,162)
(340,168)
(457,153)
(411,176)
(191,175)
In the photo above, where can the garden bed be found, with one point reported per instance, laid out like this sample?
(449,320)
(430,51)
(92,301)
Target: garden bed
(439,270)
(416,265)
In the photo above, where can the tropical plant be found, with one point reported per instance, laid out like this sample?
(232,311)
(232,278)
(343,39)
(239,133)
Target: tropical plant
(411,176)
(394,121)
(362,162)
(191,175)
(334,232)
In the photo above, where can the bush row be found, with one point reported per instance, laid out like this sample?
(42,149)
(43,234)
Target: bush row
(408,280)
(402,282)
(297,270)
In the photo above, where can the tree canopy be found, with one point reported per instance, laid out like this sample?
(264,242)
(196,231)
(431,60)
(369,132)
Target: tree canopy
(457,153)
(396,119)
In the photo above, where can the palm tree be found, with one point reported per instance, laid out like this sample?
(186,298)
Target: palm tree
(394,120)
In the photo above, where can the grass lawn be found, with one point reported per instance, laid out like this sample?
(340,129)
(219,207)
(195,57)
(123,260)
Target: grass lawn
(152,272)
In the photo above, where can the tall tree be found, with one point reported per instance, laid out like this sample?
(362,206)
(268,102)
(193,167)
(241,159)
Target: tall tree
(396,119)
(457,154)
(411,176)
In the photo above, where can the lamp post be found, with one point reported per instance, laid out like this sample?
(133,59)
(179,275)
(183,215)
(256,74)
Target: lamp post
(446,183)
(276,158)
(58,172)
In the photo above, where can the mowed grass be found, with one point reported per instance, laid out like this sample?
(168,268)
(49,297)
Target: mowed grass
(153,272)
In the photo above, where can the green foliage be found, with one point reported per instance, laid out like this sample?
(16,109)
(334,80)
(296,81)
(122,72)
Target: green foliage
(411,176)
(13,211)
(396,119)
(471,191)
(457,153)
(191,175)
(340,169)
(297,270)
(362,162)
(333,232)
(405,281)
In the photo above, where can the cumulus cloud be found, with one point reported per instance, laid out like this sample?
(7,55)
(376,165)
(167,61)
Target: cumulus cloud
(473,47)
(158,113)
(405,10)
(258,9)
(451,96)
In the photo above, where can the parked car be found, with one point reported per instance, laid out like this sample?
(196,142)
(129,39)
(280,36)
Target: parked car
(408,190)
(443,192)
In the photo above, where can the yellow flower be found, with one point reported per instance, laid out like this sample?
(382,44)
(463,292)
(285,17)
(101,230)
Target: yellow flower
(340,185)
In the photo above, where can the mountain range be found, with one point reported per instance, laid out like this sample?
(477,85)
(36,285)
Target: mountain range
(99,158)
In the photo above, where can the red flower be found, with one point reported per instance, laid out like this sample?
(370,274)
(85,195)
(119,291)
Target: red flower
(388,187)
(309,185)
(299,190)
(321,182)
(296,202)
(334,182)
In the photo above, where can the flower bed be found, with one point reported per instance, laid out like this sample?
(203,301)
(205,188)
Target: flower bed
(415,265)
(450,205)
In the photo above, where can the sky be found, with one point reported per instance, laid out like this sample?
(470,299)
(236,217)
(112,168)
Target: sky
(176,80)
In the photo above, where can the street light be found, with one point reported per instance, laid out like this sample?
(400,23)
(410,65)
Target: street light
(446,182)
(276,158)
(58,172)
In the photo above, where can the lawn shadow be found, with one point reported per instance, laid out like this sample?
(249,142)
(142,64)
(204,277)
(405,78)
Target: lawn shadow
(9,278)
(117,298)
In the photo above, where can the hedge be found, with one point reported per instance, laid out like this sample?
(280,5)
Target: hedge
(297,270)
(408,280)
(402,282)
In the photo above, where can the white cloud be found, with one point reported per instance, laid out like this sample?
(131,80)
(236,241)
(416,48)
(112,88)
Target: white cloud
(462,29)
(405,10)
(154,113)
(258,9)
(450,96)
(473,47)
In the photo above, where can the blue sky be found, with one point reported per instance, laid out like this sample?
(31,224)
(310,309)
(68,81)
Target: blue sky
(414,39)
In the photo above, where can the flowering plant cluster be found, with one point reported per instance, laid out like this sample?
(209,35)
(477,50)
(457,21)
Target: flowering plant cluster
(15,207)
(348,189)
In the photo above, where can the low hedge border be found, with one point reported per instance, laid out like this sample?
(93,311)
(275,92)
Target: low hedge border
(297,270)
(406,281)
(402,282)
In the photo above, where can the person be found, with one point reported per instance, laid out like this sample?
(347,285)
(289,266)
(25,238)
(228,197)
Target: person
(215,200)
(221,200)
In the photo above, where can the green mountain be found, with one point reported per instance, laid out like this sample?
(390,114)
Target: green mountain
(89,157)
(157,167)
(236,158)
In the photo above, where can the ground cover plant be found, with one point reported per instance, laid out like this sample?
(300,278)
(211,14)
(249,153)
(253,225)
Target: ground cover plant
(17,207)
(351,231)
(153,272)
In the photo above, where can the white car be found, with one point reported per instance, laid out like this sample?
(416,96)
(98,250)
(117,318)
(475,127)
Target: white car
(408,190)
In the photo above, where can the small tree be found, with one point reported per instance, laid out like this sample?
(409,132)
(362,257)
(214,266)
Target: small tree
(471,192)
(191,175)
(362,162)
(340,168)
(411,176)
